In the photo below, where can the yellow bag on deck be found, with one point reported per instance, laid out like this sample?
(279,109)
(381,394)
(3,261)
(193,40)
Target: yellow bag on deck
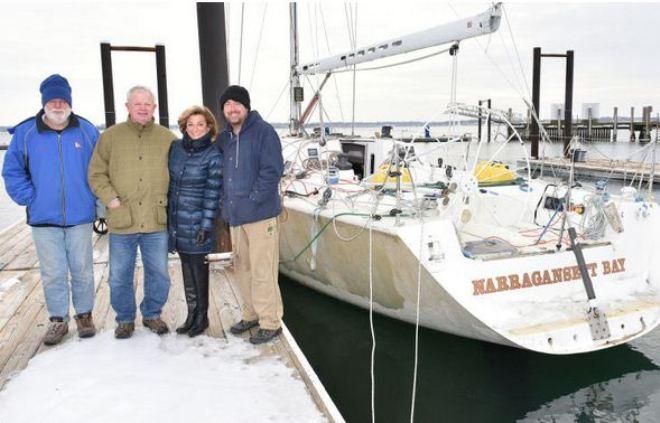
(493,173)
(378,178)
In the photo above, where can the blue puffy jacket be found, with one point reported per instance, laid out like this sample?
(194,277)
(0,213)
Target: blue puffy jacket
(47,171)
(252,168)
(194,194)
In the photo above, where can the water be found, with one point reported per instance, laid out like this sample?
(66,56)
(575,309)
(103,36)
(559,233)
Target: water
(462,380)
(459,380)
(9,211)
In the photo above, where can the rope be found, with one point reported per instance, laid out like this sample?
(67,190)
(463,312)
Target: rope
(419,291)
(371,327)
(318,234)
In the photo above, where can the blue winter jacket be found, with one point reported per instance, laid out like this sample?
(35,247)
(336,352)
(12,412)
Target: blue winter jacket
(194,194)
(47,171)
(252,167)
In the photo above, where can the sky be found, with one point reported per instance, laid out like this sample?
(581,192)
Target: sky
(615,44)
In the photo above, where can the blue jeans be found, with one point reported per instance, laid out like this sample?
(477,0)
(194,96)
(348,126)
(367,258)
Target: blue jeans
(123,251)
(60,251)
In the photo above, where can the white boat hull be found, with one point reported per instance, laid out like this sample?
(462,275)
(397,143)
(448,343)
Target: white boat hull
(546,316)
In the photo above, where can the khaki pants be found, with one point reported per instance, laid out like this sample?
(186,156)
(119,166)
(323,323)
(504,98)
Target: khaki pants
(256,257)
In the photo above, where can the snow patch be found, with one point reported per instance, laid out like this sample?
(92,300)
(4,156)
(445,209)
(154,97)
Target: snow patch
(7,285)
(155,379)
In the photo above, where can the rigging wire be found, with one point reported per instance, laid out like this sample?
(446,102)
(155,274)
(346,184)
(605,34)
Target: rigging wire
(256,53)
(240,47)
(405,62)
(515,46)
(279,97)
(351,23)
(334,80)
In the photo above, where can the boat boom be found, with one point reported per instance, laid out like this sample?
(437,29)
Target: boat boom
(475,26)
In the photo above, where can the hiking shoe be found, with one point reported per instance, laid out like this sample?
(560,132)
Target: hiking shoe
(124,330)
(156,325)
(265,335)
(85,325)
(242,326)
(57,328)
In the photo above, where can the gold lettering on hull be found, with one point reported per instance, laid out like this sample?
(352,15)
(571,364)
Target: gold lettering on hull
(511,282)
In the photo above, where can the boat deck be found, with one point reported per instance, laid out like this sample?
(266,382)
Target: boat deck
(24,318)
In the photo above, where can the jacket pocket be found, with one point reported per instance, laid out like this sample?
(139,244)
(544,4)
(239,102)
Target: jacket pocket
(120,218)
(161,210)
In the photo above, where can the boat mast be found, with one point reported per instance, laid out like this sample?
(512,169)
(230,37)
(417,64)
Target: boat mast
(294,78)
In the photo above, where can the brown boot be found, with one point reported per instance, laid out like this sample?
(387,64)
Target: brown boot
(156,325)
(85,325)
(57,328)
(124,330)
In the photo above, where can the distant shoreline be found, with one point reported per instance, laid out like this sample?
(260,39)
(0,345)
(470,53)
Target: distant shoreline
(378,124)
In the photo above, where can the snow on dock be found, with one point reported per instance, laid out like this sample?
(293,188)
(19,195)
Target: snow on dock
(218,377)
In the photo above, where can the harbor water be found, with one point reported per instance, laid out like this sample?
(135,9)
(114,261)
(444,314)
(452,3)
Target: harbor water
(460,380)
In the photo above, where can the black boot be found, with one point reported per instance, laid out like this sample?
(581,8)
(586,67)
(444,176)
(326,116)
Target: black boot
(190,291)
(200,269)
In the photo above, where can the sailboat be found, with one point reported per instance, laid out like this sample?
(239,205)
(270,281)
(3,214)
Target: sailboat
(465,247)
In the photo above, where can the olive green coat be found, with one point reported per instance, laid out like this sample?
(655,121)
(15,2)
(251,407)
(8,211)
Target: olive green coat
(130,163)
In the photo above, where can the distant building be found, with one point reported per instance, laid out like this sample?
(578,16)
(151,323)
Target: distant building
(590,109)
(557,111)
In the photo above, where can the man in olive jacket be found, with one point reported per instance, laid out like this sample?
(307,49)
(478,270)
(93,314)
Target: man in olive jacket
(129,173)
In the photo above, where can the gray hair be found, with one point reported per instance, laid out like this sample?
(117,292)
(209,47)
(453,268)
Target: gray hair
(140,88)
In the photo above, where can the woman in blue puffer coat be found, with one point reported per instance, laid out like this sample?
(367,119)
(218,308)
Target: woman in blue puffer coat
(193,201)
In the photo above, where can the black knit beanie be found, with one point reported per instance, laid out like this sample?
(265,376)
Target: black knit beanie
(236,93)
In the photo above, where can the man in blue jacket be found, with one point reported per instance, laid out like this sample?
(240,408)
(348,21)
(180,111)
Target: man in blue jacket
(45,169)
(253,165)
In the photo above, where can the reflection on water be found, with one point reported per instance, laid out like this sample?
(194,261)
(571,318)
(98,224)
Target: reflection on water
(461,380)
(631,398)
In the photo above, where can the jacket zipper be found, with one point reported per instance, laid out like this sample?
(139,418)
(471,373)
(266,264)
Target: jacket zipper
(59,145)
(238,146)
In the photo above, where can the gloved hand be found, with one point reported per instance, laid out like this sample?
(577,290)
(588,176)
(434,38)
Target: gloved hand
(202,236)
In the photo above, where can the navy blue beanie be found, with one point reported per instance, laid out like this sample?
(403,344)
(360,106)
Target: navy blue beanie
(236,93)
(55,86)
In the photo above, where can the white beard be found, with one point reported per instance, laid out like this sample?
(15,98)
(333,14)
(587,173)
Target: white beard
(59,117)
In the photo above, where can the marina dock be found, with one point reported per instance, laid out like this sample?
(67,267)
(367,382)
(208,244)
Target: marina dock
(622,170)
(24,318)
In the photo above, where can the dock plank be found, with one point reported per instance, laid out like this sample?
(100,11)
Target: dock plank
(24,316)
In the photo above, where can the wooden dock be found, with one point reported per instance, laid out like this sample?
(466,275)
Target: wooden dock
(622,170)
(24,318)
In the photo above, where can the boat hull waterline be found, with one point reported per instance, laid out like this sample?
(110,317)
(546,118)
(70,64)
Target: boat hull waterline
(536,301)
